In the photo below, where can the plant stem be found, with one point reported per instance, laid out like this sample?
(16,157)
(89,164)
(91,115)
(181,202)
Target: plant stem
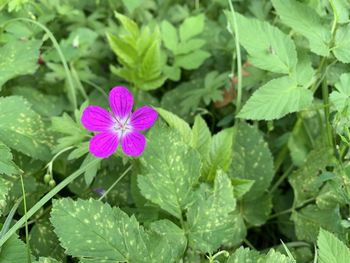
(45,199)
(115,183)
(281,179)
(239,59)
(26,219)
(325,96)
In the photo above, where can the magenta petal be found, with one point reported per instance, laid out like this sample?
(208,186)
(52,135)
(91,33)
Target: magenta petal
(121,101)
(95,118)
(104,144)
(133,143)
(143,118)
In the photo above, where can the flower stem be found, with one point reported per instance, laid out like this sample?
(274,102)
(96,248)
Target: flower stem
(29,259)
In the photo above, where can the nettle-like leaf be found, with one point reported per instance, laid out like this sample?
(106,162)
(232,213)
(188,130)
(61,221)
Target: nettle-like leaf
(96,232)
(305,20)
(342,42)
(23,129)
(18,58)
(331,249)
(220,154)
(305,181)
(268,47)
(7,166)
(252,160)
(177,124)
(184,44)
(201,137)
(308,220)
(14,250)
(210,221)
(341,96)
(245,255)
(170,172)
(139,53)
(276,99)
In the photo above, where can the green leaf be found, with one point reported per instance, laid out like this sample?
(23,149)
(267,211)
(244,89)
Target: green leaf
(131,5)
(189,46)
(305,181)
(192,26)
(191,60)
(274,256)
(268,47)
(304,20)
(5,187)
(341,96)
(94,231)
(256,210)
(18,58)
(276,99)
(44,242)
(210,222)
(331,249)
(201,137)
(252,160)
(90,174)
(7,166)
(46,260)
(23,129)
(241,186)
(170,172)
(169,35)
(176,123)
(14,250)
(220,154)
(309,219)
(342,42)
(244,255)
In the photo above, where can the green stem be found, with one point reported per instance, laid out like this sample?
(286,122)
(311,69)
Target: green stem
(115,183)
(239,59)
(29,259)
(45,199)
(59,51)
(281,179)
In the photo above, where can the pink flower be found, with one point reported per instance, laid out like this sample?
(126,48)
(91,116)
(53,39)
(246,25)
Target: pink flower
(120,126)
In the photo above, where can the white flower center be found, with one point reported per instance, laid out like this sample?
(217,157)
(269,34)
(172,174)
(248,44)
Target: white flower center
(122,126)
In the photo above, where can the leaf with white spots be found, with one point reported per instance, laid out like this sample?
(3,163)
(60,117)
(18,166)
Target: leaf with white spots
(201,137)
(220,154)
(177,123)
(5,187)
(7,166)
(23,129)
(252,160)
(245,255)
(18,58)
(170,169)
(43,241)
(210,219)
(95,232)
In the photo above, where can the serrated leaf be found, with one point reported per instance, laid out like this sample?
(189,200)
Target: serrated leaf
(304,20)
(201,137)
(7,166)
(131,5)
(170,172)
(274,256)
(252,160)
(14,250)
(189,46)
(18,58)
(276,99)
(210,222)
(244,255)
(95,232)
(176,123)
(331,249)
(192,60)
(268,47)
(341,96)
(305,181)
(192,26)
(169,35)
(308,220)
(44,242)
(220,154)
(342,42)
(23,129)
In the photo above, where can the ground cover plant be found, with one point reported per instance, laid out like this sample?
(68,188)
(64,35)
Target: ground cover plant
(174,131)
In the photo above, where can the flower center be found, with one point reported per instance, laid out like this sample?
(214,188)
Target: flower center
(122,126)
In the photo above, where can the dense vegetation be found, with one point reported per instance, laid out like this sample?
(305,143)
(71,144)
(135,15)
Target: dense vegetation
(245,106)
